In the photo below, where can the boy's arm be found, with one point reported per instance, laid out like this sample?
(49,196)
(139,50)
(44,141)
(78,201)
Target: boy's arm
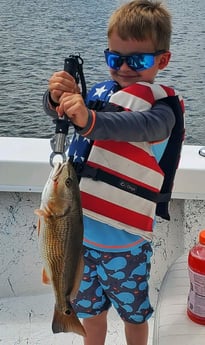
(153,125)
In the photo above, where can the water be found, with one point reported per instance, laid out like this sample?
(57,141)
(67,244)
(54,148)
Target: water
(36,36)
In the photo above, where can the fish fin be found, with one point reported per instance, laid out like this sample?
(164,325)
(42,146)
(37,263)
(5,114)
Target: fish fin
(39,212)
(67,323)
(45,278)
(78,278)
(38,226)
(46,212)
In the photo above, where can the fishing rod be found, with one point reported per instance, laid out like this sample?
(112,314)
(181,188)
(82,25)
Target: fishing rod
(60,141)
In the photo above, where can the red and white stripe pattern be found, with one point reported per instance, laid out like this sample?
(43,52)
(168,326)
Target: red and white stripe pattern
(133,162)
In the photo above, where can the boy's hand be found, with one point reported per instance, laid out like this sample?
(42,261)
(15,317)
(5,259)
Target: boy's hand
(61,82)
(73,106)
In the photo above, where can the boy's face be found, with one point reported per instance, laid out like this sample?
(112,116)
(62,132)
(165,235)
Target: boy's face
(126,76)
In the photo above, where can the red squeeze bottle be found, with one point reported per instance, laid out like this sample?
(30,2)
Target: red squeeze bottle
(196,268)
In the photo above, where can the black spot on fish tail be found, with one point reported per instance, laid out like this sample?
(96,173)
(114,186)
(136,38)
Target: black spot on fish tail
(67,322)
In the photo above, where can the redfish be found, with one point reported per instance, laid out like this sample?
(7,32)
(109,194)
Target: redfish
(60,228)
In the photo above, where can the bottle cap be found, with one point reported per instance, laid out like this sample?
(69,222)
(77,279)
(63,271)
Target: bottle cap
(202,237)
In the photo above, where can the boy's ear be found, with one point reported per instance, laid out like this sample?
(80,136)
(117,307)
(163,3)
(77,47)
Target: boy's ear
(164,60)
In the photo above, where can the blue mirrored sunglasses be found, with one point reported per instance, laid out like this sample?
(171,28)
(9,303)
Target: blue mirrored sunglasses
(137,62)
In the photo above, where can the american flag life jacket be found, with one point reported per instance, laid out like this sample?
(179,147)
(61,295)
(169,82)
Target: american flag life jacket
(122,183)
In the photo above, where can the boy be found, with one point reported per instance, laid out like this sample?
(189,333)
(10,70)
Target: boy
(117,232)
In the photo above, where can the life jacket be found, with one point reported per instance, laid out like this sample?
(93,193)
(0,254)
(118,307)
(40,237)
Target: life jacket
(122,183)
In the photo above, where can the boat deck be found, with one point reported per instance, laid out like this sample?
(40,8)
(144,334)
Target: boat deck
(172,325)
(27,321)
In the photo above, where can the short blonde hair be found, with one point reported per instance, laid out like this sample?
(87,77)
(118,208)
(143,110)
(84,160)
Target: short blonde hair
(141,20)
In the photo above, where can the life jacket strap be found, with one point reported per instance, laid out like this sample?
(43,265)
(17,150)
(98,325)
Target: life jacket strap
(101,175)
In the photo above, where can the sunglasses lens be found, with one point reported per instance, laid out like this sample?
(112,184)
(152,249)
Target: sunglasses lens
(140,62)
(137,62)
(114,61)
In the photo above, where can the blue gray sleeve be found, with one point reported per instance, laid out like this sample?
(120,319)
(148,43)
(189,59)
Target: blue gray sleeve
(46,107)
(153,125)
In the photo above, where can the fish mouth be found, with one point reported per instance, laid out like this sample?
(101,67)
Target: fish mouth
(58,167)
(54,201)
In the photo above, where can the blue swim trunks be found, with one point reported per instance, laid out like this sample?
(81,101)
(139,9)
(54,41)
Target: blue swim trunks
(118,279)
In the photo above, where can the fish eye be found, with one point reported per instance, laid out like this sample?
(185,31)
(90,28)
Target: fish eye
(68,182)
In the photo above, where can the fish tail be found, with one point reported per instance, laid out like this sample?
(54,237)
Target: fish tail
(67,323)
